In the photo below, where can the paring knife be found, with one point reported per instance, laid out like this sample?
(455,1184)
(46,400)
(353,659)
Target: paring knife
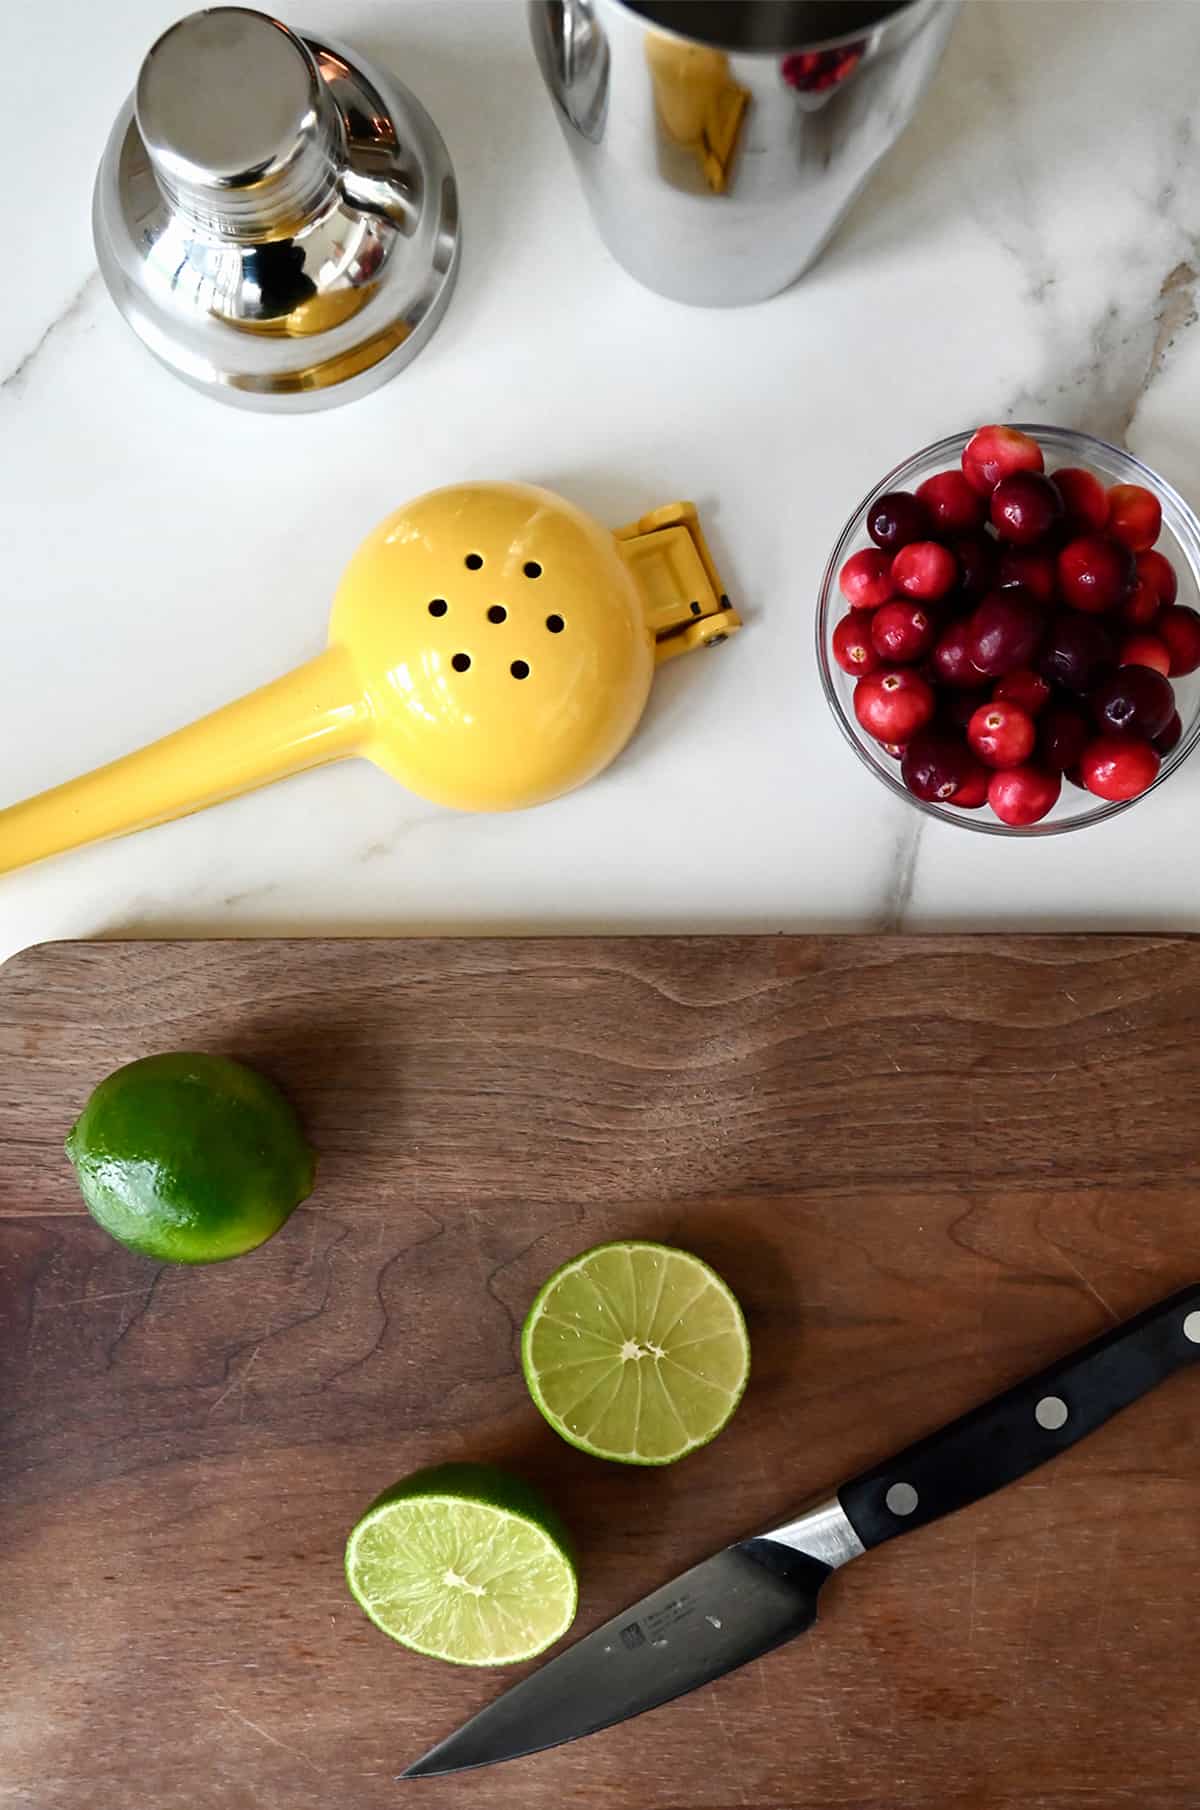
(761,1592)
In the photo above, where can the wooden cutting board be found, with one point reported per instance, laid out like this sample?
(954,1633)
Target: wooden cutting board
(926,1166)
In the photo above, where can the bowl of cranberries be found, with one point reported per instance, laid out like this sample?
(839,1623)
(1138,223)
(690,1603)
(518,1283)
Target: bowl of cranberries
(1009,630)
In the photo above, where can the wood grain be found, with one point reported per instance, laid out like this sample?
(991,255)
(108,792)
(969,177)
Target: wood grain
(926,1167)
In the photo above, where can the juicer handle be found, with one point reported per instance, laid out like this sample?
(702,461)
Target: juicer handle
(312,715)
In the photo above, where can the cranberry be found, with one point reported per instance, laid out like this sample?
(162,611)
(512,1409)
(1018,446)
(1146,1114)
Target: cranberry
(902,631)
(895,749)
(1084,499)
(974,789)
(1005,631)
(997,452)
(953,506)
(1002,735)
(1135,701)
(892,705)
(1032,567)
(1156,570)
(1179,627)
(976,556)
(924,569)
(1076,651)
(866,579)
(1023,795)
(1145,650)
(1166,738)
(1119,766)
(1134,516)
(1095,574)
(958,707)
(1063,734)
(935,765)
(1025,507)
(1141,606)
(852,647)
(952,662)
(896,519)
(1028,689)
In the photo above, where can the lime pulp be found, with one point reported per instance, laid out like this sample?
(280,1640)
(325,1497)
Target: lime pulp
(636,1352)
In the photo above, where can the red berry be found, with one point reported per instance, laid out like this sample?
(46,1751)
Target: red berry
(1063,734)
(1095,574)
(1025,507)
(1141,606)
(896,519)
(1134,701)
(1179,627)
(1084,498)
(1031,567)
(1004,632)
(1145,650)
(1119,766)
(1023,795)
(976,556)
(1028,689)
(997,452)
(1134,516)
(892,705)
(1076,651)
(1166,738)
(895,749)
(974,789)
(1156,570)
(952,663)
(924,569)
(958,707)
(866,579)
(935,765)
(1002,735)
(953,506)
(902,631)
(852,648)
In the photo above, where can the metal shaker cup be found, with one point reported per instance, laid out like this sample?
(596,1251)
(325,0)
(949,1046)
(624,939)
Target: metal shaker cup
(720,142)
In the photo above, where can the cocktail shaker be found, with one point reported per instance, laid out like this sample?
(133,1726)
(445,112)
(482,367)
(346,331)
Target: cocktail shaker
(720,144)
(276,219)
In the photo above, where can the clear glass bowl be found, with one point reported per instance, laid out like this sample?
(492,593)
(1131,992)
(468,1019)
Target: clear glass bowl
(1179,540)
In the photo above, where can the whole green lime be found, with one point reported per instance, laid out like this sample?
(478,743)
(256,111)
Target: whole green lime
(190,1158)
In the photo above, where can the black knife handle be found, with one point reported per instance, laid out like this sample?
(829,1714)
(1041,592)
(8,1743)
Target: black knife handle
(1015,1432)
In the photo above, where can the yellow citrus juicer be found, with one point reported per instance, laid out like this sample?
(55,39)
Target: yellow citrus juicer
(491,646)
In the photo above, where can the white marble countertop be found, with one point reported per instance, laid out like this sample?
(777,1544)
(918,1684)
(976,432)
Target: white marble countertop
(1030,250)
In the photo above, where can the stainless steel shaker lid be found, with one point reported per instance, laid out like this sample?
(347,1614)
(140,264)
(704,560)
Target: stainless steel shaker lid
(277,220)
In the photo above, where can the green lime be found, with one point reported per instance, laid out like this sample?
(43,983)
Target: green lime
(464,1562)
(636,1352)
(190,1159)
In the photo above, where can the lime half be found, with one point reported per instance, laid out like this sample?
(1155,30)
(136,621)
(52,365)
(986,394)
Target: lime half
(464,1562)
(636,1352)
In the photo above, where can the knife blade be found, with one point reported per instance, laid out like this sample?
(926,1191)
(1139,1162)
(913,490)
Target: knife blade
(761,1592)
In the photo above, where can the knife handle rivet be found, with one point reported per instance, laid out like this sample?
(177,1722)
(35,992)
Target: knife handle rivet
(902,1498)
(1051,1413)
(1191,1328)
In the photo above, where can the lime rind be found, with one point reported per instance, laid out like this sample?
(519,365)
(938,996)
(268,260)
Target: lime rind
(464,1563)
(597,1360)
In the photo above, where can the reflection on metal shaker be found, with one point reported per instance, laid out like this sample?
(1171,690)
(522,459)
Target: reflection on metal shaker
(720,145)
